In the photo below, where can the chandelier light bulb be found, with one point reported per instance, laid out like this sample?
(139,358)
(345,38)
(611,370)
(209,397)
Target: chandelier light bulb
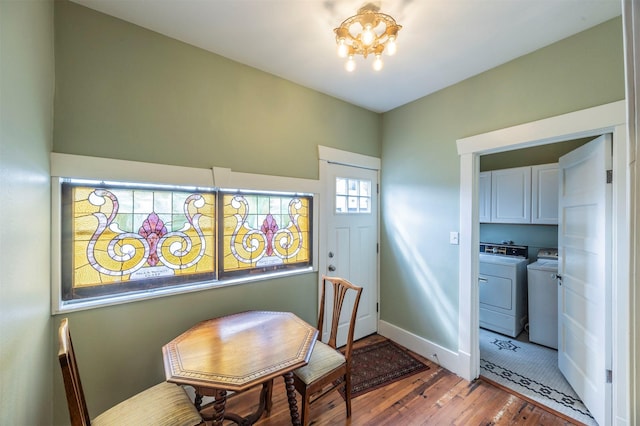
(377,63)
(343,49)
(391,47)
(368,36)
(351,64)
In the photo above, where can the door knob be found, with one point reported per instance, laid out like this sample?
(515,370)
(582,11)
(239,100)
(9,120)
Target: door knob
(332,268)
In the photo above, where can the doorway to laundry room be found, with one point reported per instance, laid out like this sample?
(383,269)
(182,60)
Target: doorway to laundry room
(602,380)
(518,276)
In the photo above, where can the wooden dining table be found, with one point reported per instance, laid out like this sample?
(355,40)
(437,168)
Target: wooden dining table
(237,352)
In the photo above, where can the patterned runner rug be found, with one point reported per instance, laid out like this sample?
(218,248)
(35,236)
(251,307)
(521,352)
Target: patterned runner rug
(532,371)
(380,364)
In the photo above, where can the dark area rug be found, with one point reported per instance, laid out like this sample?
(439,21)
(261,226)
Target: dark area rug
(380,364)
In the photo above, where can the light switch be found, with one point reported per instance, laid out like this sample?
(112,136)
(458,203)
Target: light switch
(454,238)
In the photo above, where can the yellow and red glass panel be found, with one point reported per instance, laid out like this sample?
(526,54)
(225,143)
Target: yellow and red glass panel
(262,232)
(125,238)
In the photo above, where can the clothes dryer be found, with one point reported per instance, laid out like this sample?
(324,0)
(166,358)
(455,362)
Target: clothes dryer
(502,282)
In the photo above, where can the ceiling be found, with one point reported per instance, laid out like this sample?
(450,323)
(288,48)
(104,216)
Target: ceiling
(441,43)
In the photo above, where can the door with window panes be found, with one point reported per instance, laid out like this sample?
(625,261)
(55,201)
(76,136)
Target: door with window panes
(352,240)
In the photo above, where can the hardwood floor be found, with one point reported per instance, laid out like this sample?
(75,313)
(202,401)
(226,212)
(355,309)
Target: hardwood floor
(433,397)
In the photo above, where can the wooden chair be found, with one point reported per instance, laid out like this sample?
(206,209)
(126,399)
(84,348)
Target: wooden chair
(328,368)
(163,404)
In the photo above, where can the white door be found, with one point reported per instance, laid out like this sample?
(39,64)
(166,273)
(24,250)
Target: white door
(584,295)
(352,240)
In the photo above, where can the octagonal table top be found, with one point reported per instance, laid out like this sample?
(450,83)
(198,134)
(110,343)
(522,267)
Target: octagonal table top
(236,352)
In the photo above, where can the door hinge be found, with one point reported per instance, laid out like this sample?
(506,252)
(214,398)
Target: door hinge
(609,376)
(377,188)
(609,176)
(377,306)
(378,248)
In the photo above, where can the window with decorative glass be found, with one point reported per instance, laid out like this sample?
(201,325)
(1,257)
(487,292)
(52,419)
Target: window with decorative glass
(264,232)
(121,239)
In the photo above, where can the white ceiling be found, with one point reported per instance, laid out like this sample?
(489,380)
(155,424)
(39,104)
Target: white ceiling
(441,43)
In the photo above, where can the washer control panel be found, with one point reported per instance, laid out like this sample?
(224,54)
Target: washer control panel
(548,253)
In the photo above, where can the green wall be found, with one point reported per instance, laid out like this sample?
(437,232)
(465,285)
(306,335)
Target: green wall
(420,165)
(128,93)
(26,103)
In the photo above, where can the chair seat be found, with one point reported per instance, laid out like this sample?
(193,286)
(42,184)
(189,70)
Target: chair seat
(323,360)
(164,404)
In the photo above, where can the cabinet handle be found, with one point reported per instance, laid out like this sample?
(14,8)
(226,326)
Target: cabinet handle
(483,280)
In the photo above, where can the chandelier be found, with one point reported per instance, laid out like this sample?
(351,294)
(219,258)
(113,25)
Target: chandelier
(367,33)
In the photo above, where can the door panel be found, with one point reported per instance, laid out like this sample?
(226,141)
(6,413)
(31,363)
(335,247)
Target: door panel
(584,295)
(352,238)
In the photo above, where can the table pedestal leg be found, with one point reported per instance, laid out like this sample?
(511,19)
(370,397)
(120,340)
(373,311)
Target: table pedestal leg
(267,388)
(218,406)
(198,401)
(291,396)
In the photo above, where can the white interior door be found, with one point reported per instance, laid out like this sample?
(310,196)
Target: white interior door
(352,240)
(584,295)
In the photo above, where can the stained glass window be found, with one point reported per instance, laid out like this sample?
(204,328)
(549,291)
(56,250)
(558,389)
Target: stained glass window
(263,232)
(353,195)
(130,238)
(123,238)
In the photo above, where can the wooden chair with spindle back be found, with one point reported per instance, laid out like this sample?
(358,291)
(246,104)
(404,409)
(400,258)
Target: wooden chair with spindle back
(329,368)
(164,404)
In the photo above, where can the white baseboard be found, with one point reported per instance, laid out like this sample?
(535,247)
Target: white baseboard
(452,361)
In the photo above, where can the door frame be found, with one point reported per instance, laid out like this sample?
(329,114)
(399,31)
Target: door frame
(327,155)
(608,118)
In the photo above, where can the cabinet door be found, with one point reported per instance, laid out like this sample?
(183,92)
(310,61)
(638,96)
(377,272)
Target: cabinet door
(544,194)
(511,195)
(484,197)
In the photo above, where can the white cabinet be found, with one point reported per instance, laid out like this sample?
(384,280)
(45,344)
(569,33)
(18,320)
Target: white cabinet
(484,197)
(544,194)
(511,195)
(519,195)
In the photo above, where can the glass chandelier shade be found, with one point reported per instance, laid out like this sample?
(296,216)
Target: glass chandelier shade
(367,33)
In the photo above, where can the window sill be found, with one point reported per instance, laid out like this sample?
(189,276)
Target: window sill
(82,305)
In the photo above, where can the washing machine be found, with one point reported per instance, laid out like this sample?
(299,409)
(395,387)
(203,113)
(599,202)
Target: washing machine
(542,279)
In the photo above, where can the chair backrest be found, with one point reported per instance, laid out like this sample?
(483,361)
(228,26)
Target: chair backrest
(72,385)
(340,289)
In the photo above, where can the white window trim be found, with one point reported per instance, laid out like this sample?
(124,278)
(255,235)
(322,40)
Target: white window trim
(96,168)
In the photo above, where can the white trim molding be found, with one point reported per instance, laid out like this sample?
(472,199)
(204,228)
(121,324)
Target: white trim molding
(608,118)
(573,125)
(333,155)
(226,178)
(631,25)
(432,351)
(83,167)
